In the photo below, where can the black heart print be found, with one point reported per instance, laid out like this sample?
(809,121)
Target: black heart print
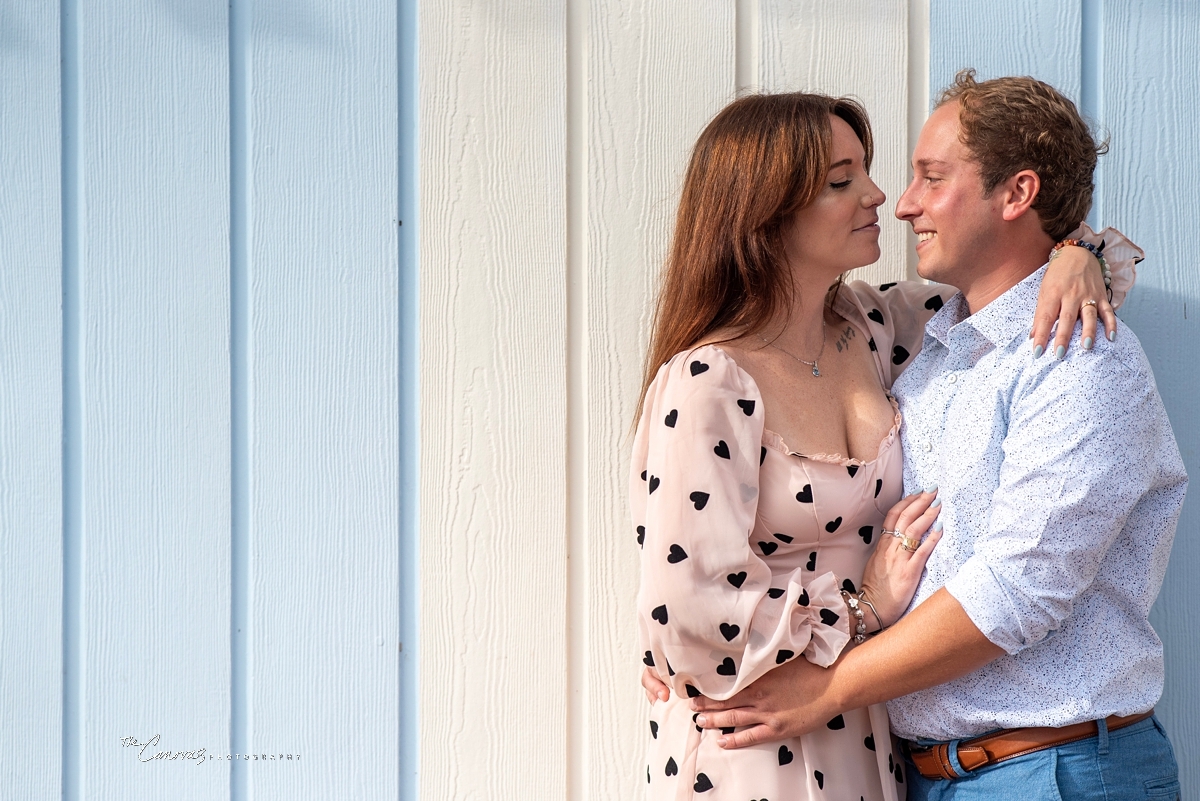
(805,495)
(775,592)
(820,777)
(832,525)
(848,586)
(699,499)
(672,768)
(729,631)
(899,775)
(697,367)
(886,287)
(829,617)
(785,756)
(891,764)
(692,692)
(643,475)
(671,418)
(727,668)
(869,742)
(660,614)
(670,670)
(762,457)
(812,562)
(648,659)
(837,723)
(676,555)
(782,537)
(654,482)
(899,355)
(802,599)
(736,579)
(722,450)
(871,344)
(866,532)
(851,469)
(654,729)
(747,407)
(647,774)
(876,315)
(768,548)
(702,785)
(878,486)
(934,303)
(728,729)
(641,530)
(783,656)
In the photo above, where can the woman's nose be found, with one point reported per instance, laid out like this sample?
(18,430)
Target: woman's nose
(873,197)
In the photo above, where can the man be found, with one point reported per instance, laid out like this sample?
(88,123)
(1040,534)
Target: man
(1061,485)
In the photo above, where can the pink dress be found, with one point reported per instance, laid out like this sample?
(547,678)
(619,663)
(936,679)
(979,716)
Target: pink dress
(745,546)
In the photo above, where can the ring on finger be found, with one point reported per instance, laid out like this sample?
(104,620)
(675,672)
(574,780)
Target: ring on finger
(909,544)
(1087,303)
(893,533)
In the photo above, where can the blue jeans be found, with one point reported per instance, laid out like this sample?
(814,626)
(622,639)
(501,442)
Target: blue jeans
(1130,763)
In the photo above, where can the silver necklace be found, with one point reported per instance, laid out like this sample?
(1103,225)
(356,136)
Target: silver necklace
(816,371)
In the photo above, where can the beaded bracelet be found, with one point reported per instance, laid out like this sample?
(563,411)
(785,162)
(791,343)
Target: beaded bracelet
(860,626)
(1098,252)
(862,599)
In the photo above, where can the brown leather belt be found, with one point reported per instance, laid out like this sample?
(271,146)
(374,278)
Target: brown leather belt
(933,762)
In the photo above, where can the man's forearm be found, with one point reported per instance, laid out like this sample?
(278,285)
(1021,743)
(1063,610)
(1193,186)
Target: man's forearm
(934,644)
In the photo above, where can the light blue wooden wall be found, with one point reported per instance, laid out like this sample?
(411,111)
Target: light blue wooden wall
(207,398)
(1134,68)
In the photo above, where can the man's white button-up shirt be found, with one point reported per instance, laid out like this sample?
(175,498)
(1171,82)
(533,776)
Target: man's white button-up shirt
(1061,485)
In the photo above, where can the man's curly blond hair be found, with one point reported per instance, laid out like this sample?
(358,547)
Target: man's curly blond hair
(1014,124)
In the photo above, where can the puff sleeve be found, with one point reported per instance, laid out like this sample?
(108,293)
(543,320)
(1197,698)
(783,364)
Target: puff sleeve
(712,618)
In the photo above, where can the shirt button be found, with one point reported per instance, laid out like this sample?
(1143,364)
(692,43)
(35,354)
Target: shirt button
(928,447)
(953,377)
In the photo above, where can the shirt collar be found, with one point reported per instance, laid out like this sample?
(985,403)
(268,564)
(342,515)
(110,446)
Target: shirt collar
(999,322)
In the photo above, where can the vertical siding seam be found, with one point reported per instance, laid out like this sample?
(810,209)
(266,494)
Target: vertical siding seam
(747,51)
(578,631)
(239,397)
(409,397)
(72,410)
(919,92)
(1091,86)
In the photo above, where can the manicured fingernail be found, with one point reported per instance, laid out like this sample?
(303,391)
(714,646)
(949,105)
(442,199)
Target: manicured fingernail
(1038,350)
(700,720)
(1112,335)
(937,525)
(662,696)
(1087,343)
(936,502)
(1060,351)
(721,741)
(930,488)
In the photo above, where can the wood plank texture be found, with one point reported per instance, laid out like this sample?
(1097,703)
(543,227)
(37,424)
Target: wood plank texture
(154,300)
(493,396)
(656,73)
(857,48)
(323,398)
(1023,37)
(30,401)
(1149,188)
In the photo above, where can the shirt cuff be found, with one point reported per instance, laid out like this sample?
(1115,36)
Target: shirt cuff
(988,605)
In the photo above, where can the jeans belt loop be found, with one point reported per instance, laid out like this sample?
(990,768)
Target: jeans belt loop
(1102,737)
(952,753)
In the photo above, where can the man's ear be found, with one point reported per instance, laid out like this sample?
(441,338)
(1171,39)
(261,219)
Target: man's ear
(1018,194)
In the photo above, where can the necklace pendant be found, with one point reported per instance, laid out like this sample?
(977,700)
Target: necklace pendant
(816,372)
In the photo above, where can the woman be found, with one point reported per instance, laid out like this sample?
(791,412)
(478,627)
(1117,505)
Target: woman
(766,461)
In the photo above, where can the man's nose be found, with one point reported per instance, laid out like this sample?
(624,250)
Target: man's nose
(907,208)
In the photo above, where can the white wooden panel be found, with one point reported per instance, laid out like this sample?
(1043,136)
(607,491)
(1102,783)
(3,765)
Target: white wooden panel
(493,396)
(857,48)
(1022,37)
(1151,77)
(153,266)
(30,401)
(324,449)
(656,73)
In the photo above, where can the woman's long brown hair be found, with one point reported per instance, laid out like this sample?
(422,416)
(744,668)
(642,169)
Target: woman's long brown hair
(759,161)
